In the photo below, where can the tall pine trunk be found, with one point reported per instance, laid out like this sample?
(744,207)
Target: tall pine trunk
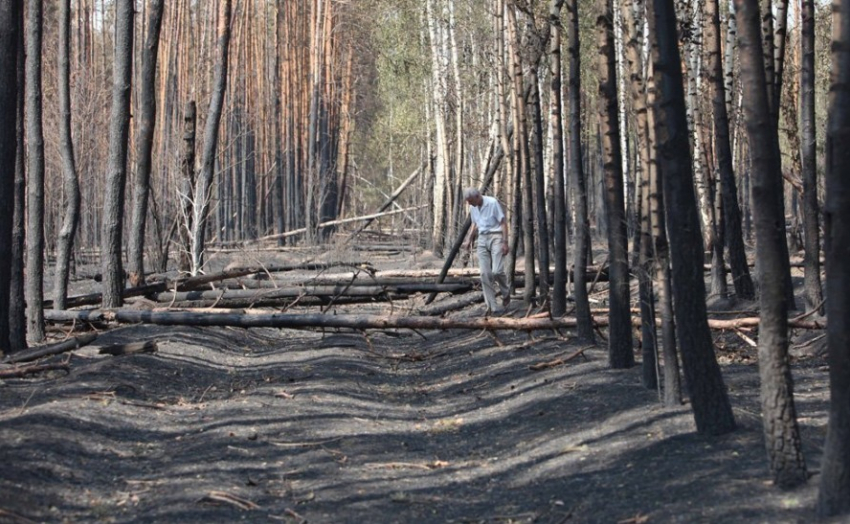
(834,494)
(782,435)
(559,211)
(584,323)
(661,254)
(710,401)
(620,352)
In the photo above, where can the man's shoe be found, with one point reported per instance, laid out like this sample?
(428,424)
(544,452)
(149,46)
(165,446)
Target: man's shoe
(506,301)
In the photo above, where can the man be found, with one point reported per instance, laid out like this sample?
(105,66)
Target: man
(491,228)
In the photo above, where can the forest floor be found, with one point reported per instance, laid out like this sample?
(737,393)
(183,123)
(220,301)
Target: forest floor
(279,425)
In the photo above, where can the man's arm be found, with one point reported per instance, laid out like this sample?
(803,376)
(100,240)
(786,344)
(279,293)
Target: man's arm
(473,232)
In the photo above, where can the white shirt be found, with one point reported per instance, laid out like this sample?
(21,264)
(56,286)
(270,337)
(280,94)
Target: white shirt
(488,218)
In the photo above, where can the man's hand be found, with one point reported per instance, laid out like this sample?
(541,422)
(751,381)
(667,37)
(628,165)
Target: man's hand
(505,248)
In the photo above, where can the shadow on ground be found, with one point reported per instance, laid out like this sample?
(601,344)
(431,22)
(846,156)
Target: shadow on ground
(226,425)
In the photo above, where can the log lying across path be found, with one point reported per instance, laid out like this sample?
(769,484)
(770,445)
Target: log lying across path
(191,283)
(313,291)
(284,320)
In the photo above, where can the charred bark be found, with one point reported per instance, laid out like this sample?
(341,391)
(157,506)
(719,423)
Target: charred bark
(144,147)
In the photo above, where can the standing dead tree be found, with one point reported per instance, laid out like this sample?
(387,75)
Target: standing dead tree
(782,434)
(144,146)
(35,173)
(620,353)
(9,27)
(116,175)
(834,494)
(69,168)
(203,186)
(712,410)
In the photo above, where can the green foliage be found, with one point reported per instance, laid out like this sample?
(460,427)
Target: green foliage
(392,90)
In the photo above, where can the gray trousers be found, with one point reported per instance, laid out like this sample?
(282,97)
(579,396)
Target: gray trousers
(489,249)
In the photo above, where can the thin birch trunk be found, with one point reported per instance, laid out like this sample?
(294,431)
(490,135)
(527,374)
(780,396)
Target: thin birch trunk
(559,211)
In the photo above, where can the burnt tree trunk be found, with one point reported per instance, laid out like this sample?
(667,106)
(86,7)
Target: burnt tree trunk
(661,253)
(204,183)
(35,173)
(10,25)
(834,494)
(712,410)
(782,435)
(584,325)
(17,306)
(808,156)
(116,175)
(538,182)
(620,352)
(71,219)
(144,147)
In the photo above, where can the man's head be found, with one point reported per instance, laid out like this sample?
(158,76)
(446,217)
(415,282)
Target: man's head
(473,196)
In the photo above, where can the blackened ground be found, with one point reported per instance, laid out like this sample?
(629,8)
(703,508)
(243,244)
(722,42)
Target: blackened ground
(228,425)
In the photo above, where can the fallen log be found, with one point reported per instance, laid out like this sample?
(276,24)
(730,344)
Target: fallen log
(285,303)
(350,280)
(284,320)
(95,298)
(50,349)
(242,271)
(314,291)
(381,278)
(190,283)
(474,272)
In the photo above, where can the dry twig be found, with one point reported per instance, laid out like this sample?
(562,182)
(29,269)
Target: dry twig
(228,498)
